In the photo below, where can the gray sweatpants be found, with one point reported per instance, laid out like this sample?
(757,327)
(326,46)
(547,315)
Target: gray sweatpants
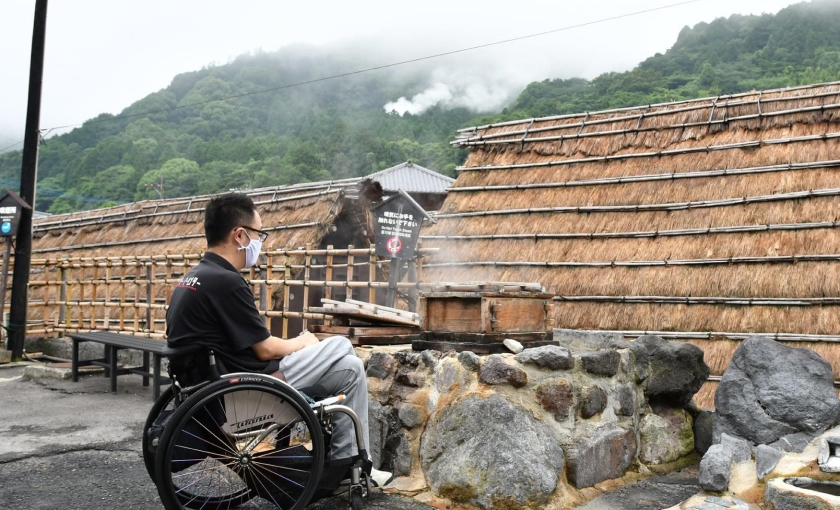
(333,365)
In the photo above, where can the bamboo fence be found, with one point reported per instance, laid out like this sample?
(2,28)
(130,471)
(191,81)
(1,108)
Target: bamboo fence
(131,294)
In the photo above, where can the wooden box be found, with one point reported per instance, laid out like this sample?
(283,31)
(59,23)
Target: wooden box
(481,321)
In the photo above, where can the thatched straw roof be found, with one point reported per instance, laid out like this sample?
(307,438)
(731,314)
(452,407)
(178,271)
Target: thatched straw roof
(296,215)
(624,214)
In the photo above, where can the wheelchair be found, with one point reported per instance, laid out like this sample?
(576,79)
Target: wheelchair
(216,440)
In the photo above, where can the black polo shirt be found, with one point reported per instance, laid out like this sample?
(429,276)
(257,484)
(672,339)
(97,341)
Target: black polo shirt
(214,307)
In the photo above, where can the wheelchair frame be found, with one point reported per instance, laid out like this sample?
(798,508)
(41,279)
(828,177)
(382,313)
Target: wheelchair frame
(160,426)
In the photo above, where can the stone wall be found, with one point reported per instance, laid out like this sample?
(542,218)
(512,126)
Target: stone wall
(531,430)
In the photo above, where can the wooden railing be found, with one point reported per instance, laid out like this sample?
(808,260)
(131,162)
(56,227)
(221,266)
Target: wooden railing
(131,293)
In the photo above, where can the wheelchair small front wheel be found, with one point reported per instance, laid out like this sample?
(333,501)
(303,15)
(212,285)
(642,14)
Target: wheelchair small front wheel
(236,439)
(356,499)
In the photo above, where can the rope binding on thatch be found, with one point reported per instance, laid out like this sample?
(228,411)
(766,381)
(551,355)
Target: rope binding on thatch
(775,259)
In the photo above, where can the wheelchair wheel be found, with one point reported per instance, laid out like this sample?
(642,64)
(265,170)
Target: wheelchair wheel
(153,428)
(355,500)
(237,439)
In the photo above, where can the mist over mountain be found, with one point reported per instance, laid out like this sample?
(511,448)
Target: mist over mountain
(359,124)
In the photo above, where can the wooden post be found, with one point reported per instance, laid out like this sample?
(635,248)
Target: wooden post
(150,273)
(307,261)
(393,279)
(81,298)
(93,293)
(62,308)
(372,278)
(349,272)
(264,287)
(122,296)
(269,296)
(412,293)
(7,247)
(137,266)
(329,272)
(287,275)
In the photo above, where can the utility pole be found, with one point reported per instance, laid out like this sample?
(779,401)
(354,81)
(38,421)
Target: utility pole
(28,178)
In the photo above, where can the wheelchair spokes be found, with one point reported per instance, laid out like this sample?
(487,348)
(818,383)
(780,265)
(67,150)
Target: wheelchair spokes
(234,442)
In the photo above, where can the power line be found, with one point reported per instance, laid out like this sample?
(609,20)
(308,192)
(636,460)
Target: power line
(4,149)
(385,66)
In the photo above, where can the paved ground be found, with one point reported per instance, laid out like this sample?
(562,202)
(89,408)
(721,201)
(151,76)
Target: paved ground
(77,446)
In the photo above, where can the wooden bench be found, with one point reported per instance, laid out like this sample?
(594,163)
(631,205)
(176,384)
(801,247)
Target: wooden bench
(113,342)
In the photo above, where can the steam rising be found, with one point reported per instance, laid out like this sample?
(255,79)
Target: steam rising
(478,97)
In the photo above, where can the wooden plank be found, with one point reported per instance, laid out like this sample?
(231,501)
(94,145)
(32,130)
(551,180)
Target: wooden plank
(349,331)
(377,309)
(486,338)
(478,348)
(359,314)
(386,339)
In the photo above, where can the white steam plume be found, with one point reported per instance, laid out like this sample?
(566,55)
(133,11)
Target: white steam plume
(473,95)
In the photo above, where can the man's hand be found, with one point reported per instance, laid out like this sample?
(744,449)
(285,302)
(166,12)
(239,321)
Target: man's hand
(307,339)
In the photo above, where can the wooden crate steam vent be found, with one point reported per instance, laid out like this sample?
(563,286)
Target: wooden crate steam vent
(478,317)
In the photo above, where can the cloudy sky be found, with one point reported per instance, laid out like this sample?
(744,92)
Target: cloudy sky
(102,55)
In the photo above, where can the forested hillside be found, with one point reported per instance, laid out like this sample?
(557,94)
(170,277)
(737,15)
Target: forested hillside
(338,128)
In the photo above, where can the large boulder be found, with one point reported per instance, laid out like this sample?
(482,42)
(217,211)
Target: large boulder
(602,455)
(666,436)
(677,371)
(389,447)
(491,454)
(771,391)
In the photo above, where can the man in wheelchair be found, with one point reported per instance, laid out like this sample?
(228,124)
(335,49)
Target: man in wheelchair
(213,306)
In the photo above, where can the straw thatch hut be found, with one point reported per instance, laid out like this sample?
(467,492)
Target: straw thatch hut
(705,220)
(314,215)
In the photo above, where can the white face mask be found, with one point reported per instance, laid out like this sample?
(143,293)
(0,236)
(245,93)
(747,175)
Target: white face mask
(252,251)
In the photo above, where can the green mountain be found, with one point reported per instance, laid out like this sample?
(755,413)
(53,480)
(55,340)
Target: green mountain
(192,144)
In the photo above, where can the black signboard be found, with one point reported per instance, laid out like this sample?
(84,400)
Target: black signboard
(10,207)
(398,221)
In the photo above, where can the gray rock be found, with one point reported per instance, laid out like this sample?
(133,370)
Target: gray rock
(582,340)
(770,391)
(548,356)
(408,358)
(626,397)
(496,371)
(431,358)
(600,456)
(715,469)
(640,354)
(389,447)
(740,448)
(513,346)
(408,377)
(766,459)
(557,396)
(704,423)
(412,415)
(380,365)
(470,360)
(594,400)
(601,362)
(795,442)
(665,436)
(477,447)
(677,371)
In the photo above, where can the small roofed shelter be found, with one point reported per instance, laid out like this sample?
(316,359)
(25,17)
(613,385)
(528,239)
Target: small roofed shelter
(427,187)
(706,221)
(310,215)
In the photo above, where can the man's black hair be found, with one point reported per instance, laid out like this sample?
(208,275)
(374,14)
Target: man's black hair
(224,213)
